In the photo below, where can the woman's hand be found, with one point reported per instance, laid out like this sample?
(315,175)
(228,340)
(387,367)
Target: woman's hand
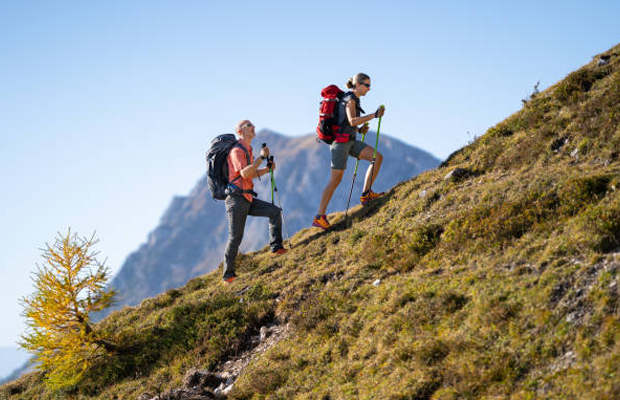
(364,129)
(380,111)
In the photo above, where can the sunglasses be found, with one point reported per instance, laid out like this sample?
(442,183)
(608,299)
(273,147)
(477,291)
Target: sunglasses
(366,84)
(249,125)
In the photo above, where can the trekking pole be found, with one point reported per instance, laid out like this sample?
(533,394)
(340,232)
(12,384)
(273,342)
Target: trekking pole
(274,188)
(257,174)
(374,154)
(273,182)
(353,182)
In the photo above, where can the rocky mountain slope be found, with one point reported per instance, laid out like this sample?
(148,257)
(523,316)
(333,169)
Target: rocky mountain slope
(191,236)
(494,276)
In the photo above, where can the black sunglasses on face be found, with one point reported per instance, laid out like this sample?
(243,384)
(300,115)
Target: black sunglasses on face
(366,84)
(248,125)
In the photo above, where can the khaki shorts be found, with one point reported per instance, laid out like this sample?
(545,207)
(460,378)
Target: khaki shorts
(341,152)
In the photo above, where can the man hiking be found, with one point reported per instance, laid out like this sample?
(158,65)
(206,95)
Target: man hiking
(242,168)
(349,117)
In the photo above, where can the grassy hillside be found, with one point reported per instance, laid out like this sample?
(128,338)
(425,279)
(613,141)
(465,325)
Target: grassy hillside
(499,281)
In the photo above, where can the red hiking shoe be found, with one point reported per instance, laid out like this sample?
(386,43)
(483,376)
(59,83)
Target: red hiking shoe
(279,252)
(320,221)
(368,196)
(228,281)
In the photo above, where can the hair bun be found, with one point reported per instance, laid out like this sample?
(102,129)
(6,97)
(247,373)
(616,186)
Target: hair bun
(350,83)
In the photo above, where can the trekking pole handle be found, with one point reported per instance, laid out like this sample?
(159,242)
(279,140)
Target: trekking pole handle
(262,147)
(380,107)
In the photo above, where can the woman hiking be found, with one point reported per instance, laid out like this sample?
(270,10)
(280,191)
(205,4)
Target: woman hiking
(349,118)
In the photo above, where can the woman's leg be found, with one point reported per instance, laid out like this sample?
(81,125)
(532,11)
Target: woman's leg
(366,154)
(333,183)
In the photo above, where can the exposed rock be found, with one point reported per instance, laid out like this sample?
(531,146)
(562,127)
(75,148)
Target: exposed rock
(204,379)
(197,385)
(457,174)
(604,60)
(557,144)
(264,333)
(183,394)
(564,362)
(206,385)
(224,388)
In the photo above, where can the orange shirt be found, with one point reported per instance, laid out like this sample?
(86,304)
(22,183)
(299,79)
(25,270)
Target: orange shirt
(236,162)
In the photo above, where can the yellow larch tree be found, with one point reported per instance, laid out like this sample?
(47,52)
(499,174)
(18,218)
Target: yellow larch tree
(69,285)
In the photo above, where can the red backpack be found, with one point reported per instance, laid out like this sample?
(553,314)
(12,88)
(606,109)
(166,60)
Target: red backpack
(328,130)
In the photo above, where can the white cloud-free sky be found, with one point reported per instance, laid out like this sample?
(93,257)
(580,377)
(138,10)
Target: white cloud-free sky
(107,108)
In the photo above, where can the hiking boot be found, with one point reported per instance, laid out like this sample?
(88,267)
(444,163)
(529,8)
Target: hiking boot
(368,196)
(229,280)
(320,221)
(279,252)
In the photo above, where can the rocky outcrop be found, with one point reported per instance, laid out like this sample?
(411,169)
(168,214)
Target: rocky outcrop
(206,385)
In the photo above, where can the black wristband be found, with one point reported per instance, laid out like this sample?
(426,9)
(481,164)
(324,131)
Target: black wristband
(264,158)
(376,113)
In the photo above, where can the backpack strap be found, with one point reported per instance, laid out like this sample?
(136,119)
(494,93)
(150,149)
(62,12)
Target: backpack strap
(234,188)
(247,158)
(345,99)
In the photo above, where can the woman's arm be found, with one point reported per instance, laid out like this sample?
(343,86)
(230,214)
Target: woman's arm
(353,120)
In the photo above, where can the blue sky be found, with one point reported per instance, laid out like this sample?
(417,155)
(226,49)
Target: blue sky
(107,108)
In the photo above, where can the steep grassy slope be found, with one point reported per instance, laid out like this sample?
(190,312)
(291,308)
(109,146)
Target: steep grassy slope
(500,281)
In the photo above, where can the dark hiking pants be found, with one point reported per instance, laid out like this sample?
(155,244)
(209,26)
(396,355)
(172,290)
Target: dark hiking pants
(238,209)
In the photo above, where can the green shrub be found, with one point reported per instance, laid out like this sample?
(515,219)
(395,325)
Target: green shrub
(500,130)
(604,220)
(208,329)
(431,352)
(453,302)
(259,292)
(580,81)
(315,309)
(576,193)
(425,239)
(261,380)
(499,224)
